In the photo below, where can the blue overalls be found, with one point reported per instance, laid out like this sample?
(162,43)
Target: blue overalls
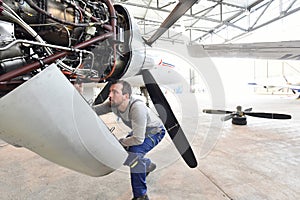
(138,163)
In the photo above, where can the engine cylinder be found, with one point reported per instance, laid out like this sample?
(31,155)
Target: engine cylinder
(11,64)
(30,15)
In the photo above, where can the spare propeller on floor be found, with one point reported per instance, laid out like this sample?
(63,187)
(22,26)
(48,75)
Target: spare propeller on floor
(239,117)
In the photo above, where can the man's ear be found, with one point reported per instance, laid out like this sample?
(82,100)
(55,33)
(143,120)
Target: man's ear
(126,96)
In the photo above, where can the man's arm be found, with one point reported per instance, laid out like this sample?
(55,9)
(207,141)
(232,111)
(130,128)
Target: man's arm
(102,108)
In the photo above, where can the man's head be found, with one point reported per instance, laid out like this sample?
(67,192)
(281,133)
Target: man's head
(119,93)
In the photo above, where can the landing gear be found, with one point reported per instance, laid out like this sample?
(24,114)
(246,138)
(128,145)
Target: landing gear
(144,91)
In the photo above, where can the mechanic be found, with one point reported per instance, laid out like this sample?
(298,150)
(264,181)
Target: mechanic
(147,132)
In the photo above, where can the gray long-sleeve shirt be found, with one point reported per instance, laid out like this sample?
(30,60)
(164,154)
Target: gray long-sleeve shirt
(137,116)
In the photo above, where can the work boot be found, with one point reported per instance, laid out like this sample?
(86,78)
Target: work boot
(145,197)
(150,168)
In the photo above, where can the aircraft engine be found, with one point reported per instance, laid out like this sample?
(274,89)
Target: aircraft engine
(91,41)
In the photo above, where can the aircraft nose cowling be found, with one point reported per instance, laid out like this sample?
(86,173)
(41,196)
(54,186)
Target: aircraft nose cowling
(49,117)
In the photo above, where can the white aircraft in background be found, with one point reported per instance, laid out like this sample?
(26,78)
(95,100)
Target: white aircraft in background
(46,46)
(277,85)
(294,87)
(282,50)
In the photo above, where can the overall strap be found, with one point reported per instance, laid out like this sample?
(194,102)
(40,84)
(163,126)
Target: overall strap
(128,123)
(132,104)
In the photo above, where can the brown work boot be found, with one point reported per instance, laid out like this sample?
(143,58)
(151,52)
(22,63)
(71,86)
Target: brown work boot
(145,197)
(151,168)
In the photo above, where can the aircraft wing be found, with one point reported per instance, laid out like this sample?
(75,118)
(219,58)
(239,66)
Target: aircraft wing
(283,50)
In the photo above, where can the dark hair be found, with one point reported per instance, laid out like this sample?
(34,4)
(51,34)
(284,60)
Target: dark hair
(126,87)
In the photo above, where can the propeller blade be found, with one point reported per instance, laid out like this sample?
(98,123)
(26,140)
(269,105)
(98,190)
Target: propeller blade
(268,115)
(180,9)
(171,124)
(227,117)
(248,110)
(103,95)
(210,111)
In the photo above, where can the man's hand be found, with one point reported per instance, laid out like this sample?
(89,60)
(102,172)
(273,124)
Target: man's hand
(125,147)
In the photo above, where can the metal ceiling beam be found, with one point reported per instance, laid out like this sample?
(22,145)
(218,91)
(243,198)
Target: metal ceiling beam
(147,8)
(261,14)
(168,11)
(266,23)
(217,23)
(290,6)
(228,20)
(227,4)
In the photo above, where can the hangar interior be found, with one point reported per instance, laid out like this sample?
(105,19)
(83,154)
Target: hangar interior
(211,21)
(258,161)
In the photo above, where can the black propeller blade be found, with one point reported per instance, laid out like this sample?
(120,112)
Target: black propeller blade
(248,110)
(171,124)
(268,115)
(210,111)
(181,8)
(103,95)
(227,117)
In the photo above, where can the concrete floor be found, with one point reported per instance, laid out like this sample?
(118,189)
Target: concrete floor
(258,161)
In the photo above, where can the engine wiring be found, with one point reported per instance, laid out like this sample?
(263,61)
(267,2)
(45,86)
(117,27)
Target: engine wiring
(79,36)
(11,14)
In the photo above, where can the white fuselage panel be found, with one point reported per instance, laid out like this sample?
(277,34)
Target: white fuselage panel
(49,117)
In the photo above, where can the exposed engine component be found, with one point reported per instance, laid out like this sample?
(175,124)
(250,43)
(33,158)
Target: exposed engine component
(12,58)
(72,33)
